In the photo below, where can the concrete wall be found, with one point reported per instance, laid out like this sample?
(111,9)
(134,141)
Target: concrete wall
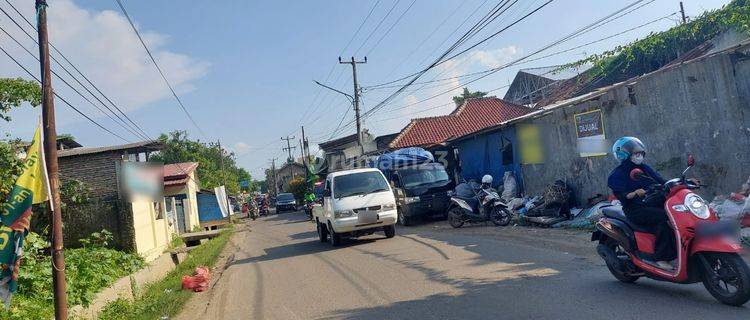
(701,107)
(152,233)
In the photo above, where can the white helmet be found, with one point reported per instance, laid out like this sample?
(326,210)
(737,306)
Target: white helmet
(487,179)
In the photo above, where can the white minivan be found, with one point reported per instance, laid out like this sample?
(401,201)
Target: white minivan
(355,202)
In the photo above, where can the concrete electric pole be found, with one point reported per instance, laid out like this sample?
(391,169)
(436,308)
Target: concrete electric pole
(682,11)
(289,148)
(356,95)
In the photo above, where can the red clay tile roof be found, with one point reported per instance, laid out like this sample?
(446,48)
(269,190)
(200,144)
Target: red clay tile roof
(177,174)
(472,116)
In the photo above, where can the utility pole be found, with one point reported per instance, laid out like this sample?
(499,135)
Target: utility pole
(289,147)
(50,155)
(682,11)
(356,95)
(273,177)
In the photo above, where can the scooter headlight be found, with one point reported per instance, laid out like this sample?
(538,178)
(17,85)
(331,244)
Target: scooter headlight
(697,206)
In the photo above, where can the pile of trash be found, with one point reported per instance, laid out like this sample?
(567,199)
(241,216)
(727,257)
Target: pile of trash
(542,210)
(198,282)
(735,207)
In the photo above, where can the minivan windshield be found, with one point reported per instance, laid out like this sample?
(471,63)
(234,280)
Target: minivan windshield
(423,174)
(284,197)
(358,184)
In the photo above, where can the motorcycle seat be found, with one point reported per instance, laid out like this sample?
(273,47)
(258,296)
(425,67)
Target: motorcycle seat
(472,201)
(615,212)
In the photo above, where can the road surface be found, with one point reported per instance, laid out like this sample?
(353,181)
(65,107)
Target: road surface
(280,270)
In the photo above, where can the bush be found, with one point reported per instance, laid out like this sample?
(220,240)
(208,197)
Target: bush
(88,270)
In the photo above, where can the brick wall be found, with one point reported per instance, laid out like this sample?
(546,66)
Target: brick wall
(106,211)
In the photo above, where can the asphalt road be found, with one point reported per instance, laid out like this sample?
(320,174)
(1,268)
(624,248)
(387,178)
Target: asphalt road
(279,270)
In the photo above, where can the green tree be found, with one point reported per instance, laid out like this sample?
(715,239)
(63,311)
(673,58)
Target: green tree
(15,92)
(214,164)
(297,187)
(459,100)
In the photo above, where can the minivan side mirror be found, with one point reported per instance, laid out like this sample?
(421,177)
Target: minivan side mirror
(326,193)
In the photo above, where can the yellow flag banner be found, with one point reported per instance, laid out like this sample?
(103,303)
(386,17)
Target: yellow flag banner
(15,215)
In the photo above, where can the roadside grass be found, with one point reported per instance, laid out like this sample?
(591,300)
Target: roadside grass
(166,297)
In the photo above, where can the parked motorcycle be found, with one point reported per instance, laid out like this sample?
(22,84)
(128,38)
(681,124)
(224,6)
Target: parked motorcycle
(472,204)
(706,250)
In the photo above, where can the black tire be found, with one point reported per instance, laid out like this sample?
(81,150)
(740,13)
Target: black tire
(402,219)
(333,237)
(730,269)
(618,271)
(454,217)
(500,217)
(322,232)
(390,231)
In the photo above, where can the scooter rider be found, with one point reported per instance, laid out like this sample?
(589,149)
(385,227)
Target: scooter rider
(485,188)
(630,151)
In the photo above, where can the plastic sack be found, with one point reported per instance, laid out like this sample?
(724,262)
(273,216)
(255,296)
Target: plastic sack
(732,208)
(510,186)
(516,203)
(198,282)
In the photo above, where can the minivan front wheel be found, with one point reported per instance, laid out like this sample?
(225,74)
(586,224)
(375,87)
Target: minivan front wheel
(322,232)
(390,231)
(333,237)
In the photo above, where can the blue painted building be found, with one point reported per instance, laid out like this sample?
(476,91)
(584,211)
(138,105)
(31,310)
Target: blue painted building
(490,151)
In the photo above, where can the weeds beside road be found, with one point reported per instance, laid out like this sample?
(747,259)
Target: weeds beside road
(166,297)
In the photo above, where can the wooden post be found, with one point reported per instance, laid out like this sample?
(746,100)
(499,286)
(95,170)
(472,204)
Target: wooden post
(50,152)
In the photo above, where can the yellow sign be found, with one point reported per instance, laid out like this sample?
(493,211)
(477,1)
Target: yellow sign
(531,144)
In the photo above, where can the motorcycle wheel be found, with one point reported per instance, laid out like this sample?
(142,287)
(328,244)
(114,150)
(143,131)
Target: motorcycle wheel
(454,218)
(727,278)
(500,217)
(618,271)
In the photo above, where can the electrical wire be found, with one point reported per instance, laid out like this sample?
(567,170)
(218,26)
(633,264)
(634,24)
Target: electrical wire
(135,30)
(72,65)
(61,98)
(391,28)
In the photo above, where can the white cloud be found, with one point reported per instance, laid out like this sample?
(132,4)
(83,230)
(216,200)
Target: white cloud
(103,46)
(495,57)
(241,148)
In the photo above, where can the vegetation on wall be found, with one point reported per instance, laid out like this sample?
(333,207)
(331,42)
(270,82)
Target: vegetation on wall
(658,49)
(215,165)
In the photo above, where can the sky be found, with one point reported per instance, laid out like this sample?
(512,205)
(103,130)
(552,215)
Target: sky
(244,70)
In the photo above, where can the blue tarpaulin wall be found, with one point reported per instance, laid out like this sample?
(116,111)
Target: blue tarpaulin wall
(482,154)
(208,208)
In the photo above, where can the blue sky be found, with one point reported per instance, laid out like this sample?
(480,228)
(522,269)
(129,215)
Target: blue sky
(245,69)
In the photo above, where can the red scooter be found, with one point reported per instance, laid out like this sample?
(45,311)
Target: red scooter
(708,249)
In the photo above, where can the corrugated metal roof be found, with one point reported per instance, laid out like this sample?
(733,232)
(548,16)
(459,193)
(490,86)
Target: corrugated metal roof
(140,146)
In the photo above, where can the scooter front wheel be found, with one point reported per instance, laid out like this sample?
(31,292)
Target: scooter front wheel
(500,217)
(727,277)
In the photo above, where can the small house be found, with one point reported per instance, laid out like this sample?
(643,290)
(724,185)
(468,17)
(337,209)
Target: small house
(138,225)
(180,191)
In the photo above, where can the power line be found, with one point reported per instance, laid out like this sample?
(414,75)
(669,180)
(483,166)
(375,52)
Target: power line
(72,65)
(494,70)
(125,12)
(465,37)
(391,28)
(377,26)
(61,98)
(330,72)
